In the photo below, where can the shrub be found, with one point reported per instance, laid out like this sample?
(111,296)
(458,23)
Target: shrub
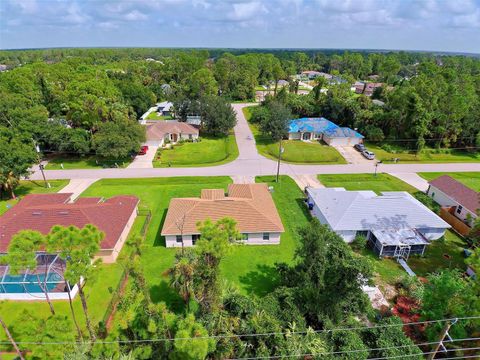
(427,201)
(388,148)
(359,243)
(374,133)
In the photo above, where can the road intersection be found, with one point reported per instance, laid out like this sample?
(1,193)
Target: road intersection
(249,164)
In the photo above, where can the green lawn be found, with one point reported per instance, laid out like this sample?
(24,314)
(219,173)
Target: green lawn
(31,187)
(379,183)
(426,156)
(209,151)
(295,151)
(154,116)
(84,162)
(248,267)
(470,179)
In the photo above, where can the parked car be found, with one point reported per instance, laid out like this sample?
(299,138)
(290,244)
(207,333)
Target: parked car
(368,154)
(359,147)
(143,150)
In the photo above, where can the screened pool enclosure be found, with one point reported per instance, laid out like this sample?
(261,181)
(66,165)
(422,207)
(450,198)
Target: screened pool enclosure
(30,284)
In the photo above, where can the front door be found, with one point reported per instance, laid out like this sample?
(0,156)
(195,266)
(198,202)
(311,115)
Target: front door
(306,136)
(174,138)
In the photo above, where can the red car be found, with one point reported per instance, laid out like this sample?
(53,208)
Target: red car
(143,150)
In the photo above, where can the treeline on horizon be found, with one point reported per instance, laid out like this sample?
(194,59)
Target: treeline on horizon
(87,101)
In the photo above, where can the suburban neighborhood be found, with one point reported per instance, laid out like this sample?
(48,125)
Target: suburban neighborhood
(237,203)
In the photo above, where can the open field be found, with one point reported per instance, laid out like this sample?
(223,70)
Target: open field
(426,156)
(297,152)
(84,162)
(209,151)
(470,179)
(31,187)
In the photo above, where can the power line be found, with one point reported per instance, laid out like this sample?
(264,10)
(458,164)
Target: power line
(425,353)
(255,334)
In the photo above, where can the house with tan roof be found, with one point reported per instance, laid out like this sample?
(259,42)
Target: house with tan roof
(250,205)
(161,132)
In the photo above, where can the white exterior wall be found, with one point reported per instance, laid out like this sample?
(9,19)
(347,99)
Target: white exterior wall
(444,200)
(40,296)
(253,239)
(294,136)
(158,143)
(347,235)
(344,141)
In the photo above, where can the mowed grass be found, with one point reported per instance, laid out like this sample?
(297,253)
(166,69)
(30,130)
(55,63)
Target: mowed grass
(248,267)
(84,162)
(154,116)
(388,270)
(353,182)
(295,151)
(470,179)
(425,156)
(209,151)
(30,187)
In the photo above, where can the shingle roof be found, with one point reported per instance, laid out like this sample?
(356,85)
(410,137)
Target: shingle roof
(321,125)
(159,129)
(251,205)
(365,210)
(468,198)
(42,211)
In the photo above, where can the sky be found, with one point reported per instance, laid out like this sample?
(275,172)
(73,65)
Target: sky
(436,25)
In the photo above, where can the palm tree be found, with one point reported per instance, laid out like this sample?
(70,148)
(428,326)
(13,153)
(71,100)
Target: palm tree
(182,276)
(9,182)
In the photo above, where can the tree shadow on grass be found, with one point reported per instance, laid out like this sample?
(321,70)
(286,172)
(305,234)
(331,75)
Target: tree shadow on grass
(163,292)
(261,281)
(304,207)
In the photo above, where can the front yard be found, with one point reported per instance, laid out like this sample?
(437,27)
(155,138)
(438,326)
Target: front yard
(379,183)
(209,151)
(84,162)
(295,151)
(470,179)
(426,156)
(30,187)
(154,116)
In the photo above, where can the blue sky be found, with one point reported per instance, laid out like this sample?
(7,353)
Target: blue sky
(447,25)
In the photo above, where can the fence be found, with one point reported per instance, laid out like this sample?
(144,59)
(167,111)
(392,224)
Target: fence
(457,224)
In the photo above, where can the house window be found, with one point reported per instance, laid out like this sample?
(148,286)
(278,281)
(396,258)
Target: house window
(179,238)
(245,237)
(433,195)
(266,236)
(459,209)
(195,237)
(190,136)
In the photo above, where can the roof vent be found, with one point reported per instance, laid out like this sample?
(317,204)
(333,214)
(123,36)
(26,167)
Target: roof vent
(63,213)
(37,213)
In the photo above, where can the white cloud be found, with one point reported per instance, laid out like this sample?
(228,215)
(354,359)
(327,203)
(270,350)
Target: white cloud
(135,15)
(247,11)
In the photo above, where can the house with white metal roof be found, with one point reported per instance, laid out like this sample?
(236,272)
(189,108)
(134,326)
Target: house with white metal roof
(395,223)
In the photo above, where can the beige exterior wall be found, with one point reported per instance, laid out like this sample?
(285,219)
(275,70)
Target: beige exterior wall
(253,239)
(109,256)
(444,200)
(347,141)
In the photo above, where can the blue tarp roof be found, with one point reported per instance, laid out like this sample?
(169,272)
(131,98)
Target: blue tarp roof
(321,125)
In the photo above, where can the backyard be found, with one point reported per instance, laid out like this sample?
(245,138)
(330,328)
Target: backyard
(208,151)
(388,270)
(154,116)
(470,179)
(427,155)
(294,151)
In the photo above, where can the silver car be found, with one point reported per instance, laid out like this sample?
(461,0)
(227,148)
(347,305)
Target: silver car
(368,154)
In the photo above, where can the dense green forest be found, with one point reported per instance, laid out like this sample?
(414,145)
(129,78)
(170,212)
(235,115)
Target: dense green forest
(87,101)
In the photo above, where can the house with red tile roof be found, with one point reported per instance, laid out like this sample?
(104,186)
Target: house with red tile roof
(40,212)
(161,132)
(463,201)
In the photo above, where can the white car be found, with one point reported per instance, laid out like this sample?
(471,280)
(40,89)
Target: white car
(368,154)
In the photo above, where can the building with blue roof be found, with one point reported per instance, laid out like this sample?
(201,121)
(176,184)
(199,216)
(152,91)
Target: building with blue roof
(308,129)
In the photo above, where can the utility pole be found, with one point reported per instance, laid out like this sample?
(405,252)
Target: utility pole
(279,157)
(40,165)
(444,334)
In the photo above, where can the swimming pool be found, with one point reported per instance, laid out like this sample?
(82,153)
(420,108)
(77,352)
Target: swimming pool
(19,284)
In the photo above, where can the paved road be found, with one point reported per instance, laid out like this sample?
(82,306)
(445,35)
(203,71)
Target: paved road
(250,163)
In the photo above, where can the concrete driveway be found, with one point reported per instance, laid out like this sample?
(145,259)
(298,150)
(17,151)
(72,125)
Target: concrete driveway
(144,161)
(351,155)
